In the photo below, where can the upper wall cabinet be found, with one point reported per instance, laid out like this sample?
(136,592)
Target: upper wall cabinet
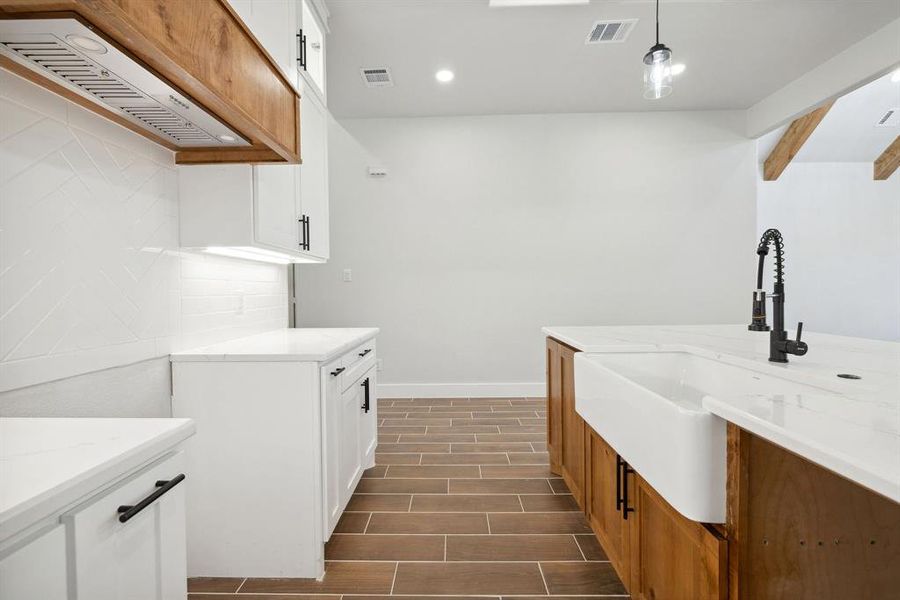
(213,81)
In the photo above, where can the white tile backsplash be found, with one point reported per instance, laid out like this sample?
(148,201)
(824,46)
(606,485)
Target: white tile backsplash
(91,276)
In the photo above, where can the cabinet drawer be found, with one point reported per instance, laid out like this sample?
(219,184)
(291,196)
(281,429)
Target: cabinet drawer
(358,370)
(361,352)
(144,557)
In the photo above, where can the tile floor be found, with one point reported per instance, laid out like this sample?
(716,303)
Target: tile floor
(461,503)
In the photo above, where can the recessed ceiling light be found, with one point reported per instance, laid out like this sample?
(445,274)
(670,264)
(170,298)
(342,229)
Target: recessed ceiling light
(226,138)
(678,68)
(896,76)
(511,3)
(87,44)
(444,76)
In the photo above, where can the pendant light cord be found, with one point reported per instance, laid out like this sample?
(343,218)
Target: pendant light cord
(657,22)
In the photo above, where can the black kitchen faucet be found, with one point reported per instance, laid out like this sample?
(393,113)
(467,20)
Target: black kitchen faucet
(779,344)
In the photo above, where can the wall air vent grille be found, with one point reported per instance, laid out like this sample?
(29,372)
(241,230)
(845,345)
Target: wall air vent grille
(165,115)
(890,119)
(610,32)
(377,77)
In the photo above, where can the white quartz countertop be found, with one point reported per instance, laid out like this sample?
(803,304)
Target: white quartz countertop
(48,464)
(851,427)
(303,345)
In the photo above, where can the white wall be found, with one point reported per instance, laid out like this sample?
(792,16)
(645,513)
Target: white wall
(91,277)
(487,228)
(842,247)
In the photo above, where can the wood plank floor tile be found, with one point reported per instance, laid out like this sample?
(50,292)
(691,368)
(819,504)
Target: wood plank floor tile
(421,523)
(590,547)
(500,486)
(515,472)
(404,448)
(481,402)
(377,471)
(520,405)
(529,422)
(514,429)
(352,522)
(529,458)
(559,486)
(402,486)
(397,458)
(214,584)
(402,430)
(555,503)
(385,547)
(468,578)
(433,471)
(581,578)
(417,422)
(512,548)
(392,410)
(265,597)
(486,421)
(466,458)
(519,414)
(340,578)
(466,503)
(479,429)
(508,447)
(379,503)
(426,598)
(511,437)
(537,446)
(556,522)
(432,438)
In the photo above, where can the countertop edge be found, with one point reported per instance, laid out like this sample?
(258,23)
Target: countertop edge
(77,489)
(319,357)
(826,458)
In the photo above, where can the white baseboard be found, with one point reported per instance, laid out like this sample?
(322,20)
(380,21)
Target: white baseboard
(462,390)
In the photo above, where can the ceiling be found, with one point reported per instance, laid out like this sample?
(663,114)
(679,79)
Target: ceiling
(534,60)
(848,132)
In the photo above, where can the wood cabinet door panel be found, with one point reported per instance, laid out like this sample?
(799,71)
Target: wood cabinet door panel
(674,558)
(601,493)
(572,459)
(554,405)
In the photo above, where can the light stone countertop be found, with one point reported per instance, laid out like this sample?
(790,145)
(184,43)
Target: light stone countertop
(47,464)
(852,427)
(292,345)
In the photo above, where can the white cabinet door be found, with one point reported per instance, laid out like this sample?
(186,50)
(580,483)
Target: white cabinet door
(350,465)
(315,47)
(314,171)
(331,445)
(274,206)
(368,429)
(273,24)
(141,559)
(36,571)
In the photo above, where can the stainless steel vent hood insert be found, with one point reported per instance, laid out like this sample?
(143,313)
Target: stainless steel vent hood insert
(71,54)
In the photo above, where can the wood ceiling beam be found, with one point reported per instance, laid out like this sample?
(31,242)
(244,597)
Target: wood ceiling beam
(792,140)
(888,162)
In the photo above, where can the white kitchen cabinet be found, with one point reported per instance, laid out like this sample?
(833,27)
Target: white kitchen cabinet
(279,411)
(312,198)
(312,24)
(37,570)
(142,558)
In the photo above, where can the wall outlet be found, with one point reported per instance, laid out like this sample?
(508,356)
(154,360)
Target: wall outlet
(347,275)
(378,364)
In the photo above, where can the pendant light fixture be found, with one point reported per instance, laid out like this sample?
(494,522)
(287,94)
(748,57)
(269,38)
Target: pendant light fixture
(657,68)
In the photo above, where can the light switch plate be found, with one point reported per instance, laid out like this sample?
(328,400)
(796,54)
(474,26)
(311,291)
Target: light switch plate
(347,275)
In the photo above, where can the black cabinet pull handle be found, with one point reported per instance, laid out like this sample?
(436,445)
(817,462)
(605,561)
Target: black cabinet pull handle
(364,352)
(626,471)
(365,385)
(304,232)
(619,464)
(126,512)
(301,39)
(338,371)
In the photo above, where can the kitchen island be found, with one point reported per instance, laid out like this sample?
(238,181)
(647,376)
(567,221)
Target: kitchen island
(813,475)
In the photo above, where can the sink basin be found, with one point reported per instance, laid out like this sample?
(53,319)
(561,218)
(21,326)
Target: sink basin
(648,406)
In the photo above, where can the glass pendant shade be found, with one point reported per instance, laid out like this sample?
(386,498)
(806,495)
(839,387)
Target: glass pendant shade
(657,72)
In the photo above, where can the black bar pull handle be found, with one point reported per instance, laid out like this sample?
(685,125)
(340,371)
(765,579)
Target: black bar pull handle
(626,471)
(365,385)
(126,512)
(301,40)
(619,463)
(364,352)
(338,371)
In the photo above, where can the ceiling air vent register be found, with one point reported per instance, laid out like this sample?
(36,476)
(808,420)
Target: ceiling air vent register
(610,32)
(377,77)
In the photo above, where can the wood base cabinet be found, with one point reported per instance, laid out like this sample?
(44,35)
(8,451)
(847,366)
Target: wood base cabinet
(566,428)
(604,501)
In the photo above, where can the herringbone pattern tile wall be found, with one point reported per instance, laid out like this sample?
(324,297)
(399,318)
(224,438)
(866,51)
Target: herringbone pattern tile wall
(91,275)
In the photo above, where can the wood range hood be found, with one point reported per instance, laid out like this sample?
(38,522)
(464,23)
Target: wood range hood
(186,74)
